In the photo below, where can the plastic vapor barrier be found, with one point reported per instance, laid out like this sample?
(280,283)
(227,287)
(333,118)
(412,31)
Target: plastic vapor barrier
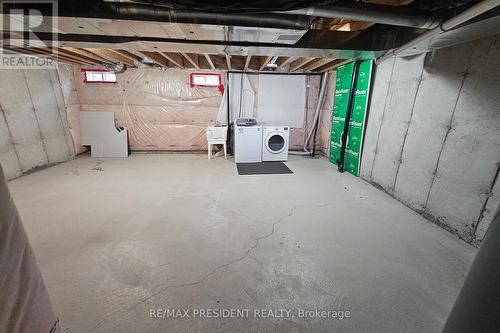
(25,302)
(163,112)
(159,108)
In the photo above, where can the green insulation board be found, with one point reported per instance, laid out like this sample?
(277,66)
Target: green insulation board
(352,157)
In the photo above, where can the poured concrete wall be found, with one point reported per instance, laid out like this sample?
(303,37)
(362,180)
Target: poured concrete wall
(33,126)
(433,135)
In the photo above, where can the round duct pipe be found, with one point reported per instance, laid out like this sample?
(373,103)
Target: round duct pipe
(372,13)
(143,12)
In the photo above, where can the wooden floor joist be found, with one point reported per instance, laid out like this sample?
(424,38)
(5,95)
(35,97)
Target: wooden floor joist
(247,62)
(184,60)
(81,54)
(316,64)
(299,63)
(174,58)
(207,56)
(335,64)
(110,55)
(156,57)
(191,59)
(265,62)
(40,54)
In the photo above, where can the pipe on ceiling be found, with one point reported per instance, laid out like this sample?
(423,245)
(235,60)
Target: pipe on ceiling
(453,22)
(390,15)
(134,11)
(189,16)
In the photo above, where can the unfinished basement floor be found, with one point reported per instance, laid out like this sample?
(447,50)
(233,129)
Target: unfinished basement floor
(116,238)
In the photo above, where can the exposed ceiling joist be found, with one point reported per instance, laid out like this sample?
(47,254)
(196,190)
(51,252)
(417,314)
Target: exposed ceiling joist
(282,65)
(191,60)
(297,64)
(128,55)
(247,62)
(156,57)
(316,64)
(335,64)
(40,54)
(265,62)
(111,55)
(174,58)
(207,56)
(58,55)
(82,54)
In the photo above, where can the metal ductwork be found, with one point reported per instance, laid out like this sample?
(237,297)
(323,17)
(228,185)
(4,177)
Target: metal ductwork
(298,19)
(142,12)
(232,6)
(145,12)
(390,15)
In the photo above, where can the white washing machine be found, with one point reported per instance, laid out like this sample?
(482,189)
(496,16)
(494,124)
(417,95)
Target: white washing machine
(247,141)
(275,143)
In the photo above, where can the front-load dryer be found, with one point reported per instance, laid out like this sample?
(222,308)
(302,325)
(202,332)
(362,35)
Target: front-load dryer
(275,143)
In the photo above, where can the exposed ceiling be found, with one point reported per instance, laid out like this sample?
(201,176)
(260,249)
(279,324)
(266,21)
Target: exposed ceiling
(300,35)
(181,60)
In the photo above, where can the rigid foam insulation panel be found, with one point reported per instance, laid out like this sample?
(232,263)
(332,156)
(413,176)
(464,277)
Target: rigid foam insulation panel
(433,135)
(34,128)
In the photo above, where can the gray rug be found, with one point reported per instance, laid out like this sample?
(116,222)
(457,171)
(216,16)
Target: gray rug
(262,168)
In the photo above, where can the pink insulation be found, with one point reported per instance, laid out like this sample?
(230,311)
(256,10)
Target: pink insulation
(159,108)
(325,117)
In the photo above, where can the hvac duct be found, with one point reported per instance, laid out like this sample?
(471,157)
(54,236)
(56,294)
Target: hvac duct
(140,12)
(390,15)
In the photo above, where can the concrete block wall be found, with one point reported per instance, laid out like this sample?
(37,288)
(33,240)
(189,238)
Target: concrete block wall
(33,124)
(433,135)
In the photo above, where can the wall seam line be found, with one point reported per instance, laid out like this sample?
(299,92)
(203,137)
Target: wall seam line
(382,119)
(481,214)
(445,138)
(44,146)
(408,127)
(59,113)
(11,139)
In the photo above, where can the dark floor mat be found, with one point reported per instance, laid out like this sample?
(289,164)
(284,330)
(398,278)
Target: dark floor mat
(262,168)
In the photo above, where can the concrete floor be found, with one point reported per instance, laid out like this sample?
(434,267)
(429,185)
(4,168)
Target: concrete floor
(117,237)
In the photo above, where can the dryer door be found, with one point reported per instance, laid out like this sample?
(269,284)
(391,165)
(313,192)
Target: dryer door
(275,142)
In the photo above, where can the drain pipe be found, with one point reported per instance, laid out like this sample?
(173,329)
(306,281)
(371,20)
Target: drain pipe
(372,13)
(455,21)
(306,150)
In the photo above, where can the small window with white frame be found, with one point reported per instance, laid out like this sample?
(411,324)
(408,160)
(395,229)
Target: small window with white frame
(205,80)
(99,76)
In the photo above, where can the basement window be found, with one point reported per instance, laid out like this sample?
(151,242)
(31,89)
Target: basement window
(213,80)
(205,80)
(96,76)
